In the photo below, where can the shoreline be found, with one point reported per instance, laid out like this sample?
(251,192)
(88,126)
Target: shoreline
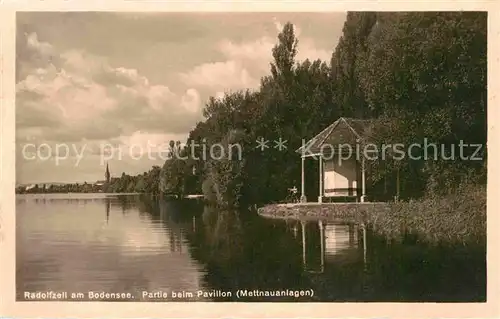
(335,212)
(455,218)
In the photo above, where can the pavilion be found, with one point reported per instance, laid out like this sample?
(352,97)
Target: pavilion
(342,167)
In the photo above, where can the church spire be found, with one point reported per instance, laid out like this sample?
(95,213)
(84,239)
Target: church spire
(107,175)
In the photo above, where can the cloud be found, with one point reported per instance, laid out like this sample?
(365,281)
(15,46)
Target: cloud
(230,74)
(80,100)
(72,95)
(124,92)
(259,51)
(247,61)
(43,161)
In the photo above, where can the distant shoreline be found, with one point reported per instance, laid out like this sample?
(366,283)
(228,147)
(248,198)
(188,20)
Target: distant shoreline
(76,194)
(93,195)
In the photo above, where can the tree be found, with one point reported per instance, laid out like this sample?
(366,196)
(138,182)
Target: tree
(349,96)
(427,71)
(415,74)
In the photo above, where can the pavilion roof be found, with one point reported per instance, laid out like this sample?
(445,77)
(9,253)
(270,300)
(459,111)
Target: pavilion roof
(341,132)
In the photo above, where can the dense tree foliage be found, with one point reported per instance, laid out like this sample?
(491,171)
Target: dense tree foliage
(423,75)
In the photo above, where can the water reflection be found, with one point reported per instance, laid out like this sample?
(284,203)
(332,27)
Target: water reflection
(70,246)
(145,243)
(323,242)
(108,207)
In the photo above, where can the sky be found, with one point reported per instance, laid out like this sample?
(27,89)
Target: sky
(95,88)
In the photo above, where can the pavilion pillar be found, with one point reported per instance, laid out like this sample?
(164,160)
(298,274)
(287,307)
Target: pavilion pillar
(397,186)
(364,242)
(303,198)
(363,180)
(322,243)
(303,225)
(385,184)
(320,197)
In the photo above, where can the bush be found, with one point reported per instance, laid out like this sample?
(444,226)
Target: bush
(224,178)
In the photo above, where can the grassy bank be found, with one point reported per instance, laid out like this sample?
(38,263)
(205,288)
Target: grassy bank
(456,218)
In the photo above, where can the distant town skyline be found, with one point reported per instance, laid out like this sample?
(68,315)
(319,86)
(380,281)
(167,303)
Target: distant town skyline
(123,79)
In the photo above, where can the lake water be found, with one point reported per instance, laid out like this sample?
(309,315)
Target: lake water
(142,249)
